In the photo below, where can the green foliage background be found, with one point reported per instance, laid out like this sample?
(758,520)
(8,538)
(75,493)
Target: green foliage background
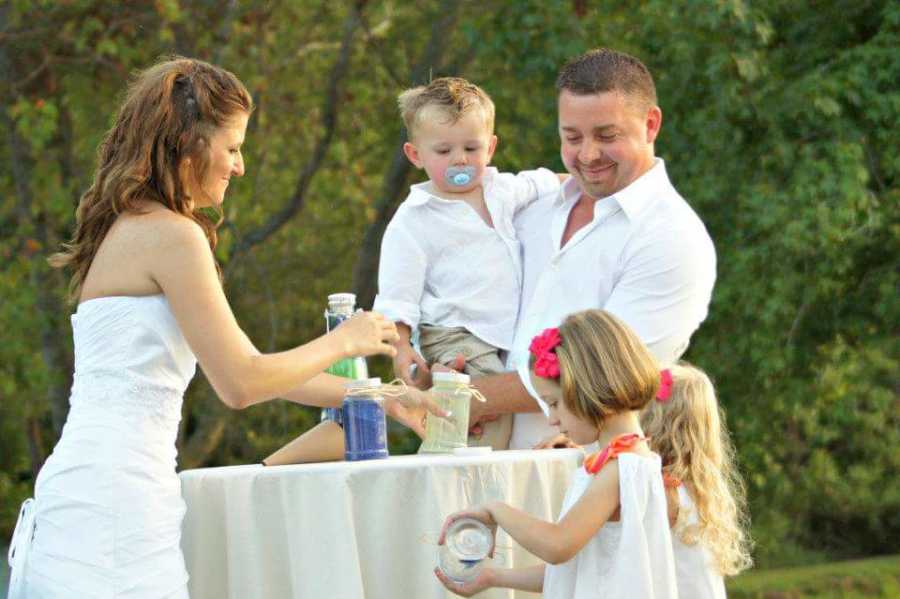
(780,124)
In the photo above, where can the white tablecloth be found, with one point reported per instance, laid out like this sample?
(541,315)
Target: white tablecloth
(353,530)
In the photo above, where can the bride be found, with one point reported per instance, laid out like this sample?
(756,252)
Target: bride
(106,518)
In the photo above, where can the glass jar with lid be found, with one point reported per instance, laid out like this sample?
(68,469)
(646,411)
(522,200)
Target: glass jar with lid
(452,393)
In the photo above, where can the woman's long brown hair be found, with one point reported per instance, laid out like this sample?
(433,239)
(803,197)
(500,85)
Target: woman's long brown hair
(170,111)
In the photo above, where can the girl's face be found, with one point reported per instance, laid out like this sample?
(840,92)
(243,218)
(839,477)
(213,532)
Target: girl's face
(580,431)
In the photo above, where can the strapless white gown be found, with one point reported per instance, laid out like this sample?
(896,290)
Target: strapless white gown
(106,518)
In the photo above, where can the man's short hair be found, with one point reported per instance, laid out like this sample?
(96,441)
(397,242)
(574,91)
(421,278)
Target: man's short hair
(453,96)
(605,70)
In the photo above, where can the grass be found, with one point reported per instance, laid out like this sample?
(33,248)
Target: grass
(857,579)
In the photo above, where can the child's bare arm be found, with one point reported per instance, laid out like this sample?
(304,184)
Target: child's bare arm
(522,579)
(558,542)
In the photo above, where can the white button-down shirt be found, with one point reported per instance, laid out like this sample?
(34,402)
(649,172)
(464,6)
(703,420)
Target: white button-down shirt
(441,264)
(645,257)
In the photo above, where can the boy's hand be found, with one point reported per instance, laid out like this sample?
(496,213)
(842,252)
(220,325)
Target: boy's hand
(483,581)
(404,360)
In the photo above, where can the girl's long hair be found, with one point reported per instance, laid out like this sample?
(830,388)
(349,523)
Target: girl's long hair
(170,111)
(689,433)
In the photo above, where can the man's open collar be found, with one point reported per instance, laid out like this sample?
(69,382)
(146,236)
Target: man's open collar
(633,199)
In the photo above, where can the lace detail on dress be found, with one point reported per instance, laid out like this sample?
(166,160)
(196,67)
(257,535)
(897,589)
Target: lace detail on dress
(116,392)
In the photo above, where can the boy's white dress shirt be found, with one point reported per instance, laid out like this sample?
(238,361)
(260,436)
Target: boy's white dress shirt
(441,264)
(646,257)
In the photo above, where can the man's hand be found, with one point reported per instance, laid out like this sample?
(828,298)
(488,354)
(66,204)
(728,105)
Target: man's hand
(405,359)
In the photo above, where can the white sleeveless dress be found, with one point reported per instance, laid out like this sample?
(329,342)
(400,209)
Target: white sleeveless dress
(698,575)
(628,559)
(105,522)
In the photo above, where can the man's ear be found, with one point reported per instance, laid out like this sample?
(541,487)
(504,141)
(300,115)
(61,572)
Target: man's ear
(412,154)
(654,123)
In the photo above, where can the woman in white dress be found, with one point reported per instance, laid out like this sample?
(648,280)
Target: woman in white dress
(106,518)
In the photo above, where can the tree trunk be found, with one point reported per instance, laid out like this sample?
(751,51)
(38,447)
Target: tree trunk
(365,272)
(44,282)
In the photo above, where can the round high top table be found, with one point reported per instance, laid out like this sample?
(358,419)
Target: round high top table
(354,530)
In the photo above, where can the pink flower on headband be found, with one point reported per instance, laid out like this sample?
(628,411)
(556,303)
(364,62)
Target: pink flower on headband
(665,385)
(543,347)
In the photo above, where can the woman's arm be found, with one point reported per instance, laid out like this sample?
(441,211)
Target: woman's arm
(183,268)
(327,390)
(323,390)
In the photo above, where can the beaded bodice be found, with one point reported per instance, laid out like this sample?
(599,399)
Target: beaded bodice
(132,364)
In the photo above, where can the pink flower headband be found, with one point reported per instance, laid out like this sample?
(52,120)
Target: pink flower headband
(543,347)
(546,363)
(665,386)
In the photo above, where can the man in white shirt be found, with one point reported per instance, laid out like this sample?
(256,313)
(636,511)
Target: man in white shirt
(619,237)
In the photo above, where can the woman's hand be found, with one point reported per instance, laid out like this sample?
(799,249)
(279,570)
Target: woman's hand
(411,409)
(482,513)
(484,580)
(366,334)
(558,441)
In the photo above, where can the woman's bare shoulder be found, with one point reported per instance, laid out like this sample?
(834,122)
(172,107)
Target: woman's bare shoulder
(159,229)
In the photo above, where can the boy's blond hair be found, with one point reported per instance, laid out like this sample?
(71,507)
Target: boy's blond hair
(689,433)
(604,367)
(452,96)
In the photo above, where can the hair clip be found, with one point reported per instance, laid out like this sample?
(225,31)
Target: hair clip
(665,385)
(543,347)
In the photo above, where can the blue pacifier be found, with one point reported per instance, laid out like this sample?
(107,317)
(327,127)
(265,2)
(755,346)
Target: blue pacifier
(459,175)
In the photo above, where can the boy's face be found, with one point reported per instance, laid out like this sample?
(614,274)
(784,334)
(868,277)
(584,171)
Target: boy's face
(578,430)
(437,144)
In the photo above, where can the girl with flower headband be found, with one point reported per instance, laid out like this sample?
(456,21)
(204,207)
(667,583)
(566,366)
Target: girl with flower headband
(687,429)
(612,538)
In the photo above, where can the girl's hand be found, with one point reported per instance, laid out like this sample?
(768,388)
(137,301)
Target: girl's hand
(484,580)
(558,441)
(411,409)
(480,513)
(366,334)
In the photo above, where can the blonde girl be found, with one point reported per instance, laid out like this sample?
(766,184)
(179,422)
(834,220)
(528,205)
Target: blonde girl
(687,429)
(612,538)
